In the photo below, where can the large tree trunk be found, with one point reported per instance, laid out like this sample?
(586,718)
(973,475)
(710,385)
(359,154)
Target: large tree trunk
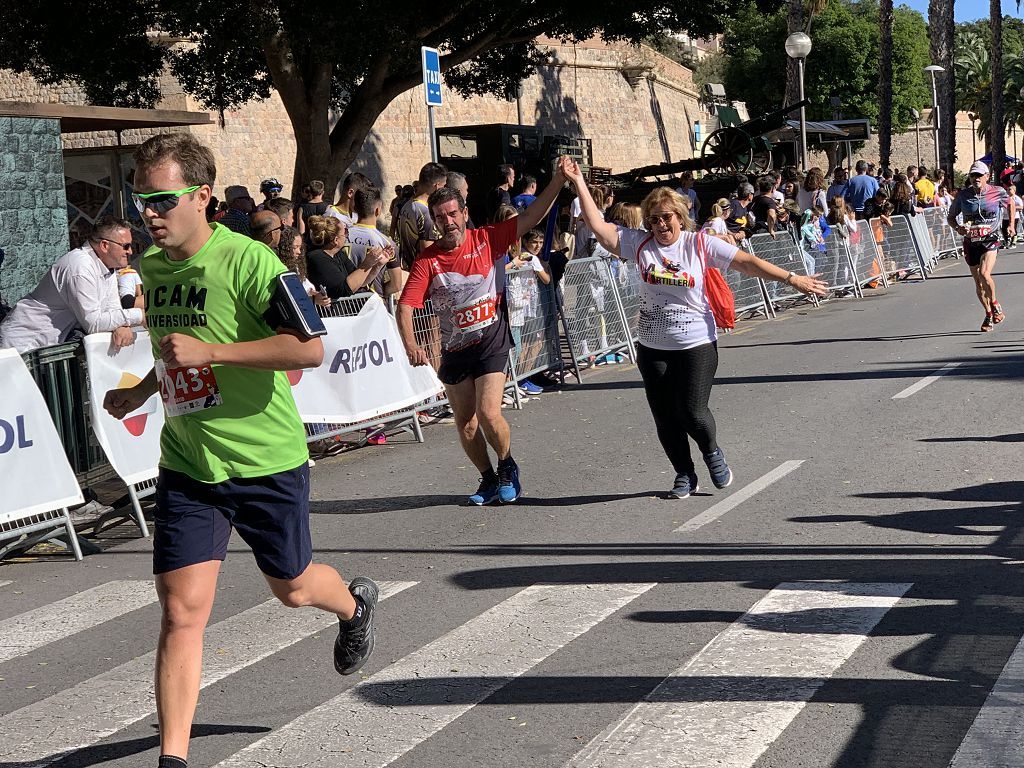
(306,97)
(794,23)
(998,87)
(941,28)
(885,21)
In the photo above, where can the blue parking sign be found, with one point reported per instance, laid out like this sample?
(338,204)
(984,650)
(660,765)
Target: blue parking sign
(431,76)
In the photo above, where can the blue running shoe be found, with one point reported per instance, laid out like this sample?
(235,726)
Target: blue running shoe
(487,492)
(509,487)
(685,484)
(530,388)
(721,475)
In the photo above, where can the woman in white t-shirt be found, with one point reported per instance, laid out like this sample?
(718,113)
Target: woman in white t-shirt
(677,352)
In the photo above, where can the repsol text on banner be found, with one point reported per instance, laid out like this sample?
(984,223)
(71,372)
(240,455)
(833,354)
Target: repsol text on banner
(12,435)
(356,358)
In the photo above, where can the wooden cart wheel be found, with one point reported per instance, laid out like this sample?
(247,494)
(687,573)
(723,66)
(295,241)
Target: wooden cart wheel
(728,150)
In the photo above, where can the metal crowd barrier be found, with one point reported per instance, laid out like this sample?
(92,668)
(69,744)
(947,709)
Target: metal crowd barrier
(923,239)
(864,257)
(834,264)
(59,371)
(782,251)
(533,317)
(945,242)
(748,294)
(900,254)
(594,320)
(324,436)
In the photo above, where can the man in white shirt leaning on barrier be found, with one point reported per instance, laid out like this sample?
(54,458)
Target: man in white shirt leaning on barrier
(78,292)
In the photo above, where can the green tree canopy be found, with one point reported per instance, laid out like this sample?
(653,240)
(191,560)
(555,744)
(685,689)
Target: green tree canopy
(843,61)
(354,57)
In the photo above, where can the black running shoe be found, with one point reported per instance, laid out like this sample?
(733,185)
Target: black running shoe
(684,485)
(355,644)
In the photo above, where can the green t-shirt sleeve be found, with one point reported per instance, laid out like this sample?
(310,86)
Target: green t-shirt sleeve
(261,267)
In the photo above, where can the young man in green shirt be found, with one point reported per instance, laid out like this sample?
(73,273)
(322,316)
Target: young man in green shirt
(233,449)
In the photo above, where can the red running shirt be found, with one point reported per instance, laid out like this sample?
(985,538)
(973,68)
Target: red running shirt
(465,287)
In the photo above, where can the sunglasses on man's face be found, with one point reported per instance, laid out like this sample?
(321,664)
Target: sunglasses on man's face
(125,246)
(161,202)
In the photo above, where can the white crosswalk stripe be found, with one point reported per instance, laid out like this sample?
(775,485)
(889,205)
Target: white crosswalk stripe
(59,620)
(724,707)
(46,731)
(734,698)
(466,666)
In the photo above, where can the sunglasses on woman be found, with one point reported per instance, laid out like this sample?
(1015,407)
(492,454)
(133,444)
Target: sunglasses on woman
(161,202)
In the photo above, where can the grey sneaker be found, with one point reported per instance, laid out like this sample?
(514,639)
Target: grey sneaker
(354,645)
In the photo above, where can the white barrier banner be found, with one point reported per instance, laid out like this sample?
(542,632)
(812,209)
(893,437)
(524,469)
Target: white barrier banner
(132,445)
(365,372)
(36,475)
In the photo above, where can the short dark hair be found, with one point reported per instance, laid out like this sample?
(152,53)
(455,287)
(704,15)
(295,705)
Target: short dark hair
(432,174)
(365,201)
(279,205)
(356,181)
(527,180)
(861,166)
(104,227)
(505,173)
(316,187)
(443,195)
(193,158)
(764,185)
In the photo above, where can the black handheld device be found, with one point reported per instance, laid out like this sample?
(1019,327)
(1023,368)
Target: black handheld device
(291,308)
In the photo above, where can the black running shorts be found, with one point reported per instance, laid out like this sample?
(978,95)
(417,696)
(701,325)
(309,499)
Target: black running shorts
(468,363)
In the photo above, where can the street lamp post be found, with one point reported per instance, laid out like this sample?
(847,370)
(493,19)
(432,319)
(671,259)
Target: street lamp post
(798,46)
(934,69)
(917,131)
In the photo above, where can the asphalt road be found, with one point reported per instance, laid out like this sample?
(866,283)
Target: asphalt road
(850,601)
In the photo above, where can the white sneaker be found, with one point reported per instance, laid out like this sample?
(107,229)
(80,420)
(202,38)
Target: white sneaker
(89,512)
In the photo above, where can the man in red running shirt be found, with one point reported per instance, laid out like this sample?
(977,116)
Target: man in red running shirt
(462,274)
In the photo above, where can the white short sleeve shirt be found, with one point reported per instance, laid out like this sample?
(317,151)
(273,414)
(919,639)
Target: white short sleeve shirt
(674,310)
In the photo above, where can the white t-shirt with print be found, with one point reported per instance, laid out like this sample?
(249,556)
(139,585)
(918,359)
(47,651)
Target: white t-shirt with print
(674,311)
(523,293)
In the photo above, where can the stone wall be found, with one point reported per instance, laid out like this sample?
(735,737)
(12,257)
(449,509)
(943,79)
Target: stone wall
(33,209)
(636,105)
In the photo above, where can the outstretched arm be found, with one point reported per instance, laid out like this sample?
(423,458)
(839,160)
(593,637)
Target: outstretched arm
(607,234)
(539,208)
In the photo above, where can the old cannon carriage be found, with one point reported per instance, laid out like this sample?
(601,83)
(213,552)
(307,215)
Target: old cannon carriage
(736,148)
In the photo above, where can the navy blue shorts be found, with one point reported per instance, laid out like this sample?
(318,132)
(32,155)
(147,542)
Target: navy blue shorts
(270,513)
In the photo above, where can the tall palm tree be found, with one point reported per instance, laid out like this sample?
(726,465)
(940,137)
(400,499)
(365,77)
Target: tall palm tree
(885,21)
(941,28)
(973,80)
(998,116)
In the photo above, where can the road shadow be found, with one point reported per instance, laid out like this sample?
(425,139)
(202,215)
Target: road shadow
(427,500)
(1017,437)
(963,615)
(105,753)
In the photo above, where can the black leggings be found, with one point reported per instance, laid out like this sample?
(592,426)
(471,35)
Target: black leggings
(678,385)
